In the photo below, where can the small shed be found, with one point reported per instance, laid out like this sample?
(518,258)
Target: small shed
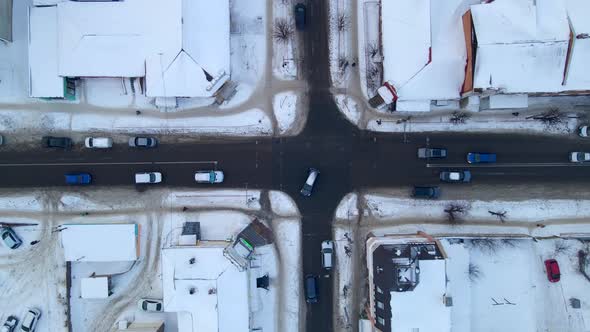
(95,287)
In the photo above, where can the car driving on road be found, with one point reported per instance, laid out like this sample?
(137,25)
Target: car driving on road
(300,16)
(583,131)
(327,254)
(424,153)
(476,157)
(209,176)
(311,289)
(98,142)
(143,142)
(57,142)
(78,178)
(148,177)
(425,192)
(455,176)
(30,321)
(308,185)
(578,157)
(150,305)
(9,237)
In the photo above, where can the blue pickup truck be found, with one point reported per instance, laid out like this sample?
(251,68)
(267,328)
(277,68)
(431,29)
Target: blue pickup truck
(476,158)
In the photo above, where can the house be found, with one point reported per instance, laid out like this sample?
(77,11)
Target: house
(407,280)
(178,48)
(6,20)
(528,47)
(423,51)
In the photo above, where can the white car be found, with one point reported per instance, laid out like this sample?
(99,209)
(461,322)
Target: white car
(209,176)
(150,305)
(30,321)
(308,185)
(583,131)
(98,142)
(148,177)
(327,254)
(578,157)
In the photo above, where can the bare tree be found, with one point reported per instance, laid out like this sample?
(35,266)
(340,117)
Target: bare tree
(551,118)
(372,50)
(509,243)
(283,30)
(486,245)
(561,247)
(343,22)
(342,64)
(454,211)
(500,215)
(459,117)
(474,272)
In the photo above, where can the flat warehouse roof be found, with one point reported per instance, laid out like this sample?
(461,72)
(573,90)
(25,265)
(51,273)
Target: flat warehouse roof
(100,242)
(44,80)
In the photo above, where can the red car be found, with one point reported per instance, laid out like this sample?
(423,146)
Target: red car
(552,268)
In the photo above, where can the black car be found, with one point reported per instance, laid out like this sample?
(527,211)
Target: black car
(311,289)
(426,192)
(57,142)
(10,324)
(300,16)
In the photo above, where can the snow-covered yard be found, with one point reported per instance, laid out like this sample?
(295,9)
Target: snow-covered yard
(160,216)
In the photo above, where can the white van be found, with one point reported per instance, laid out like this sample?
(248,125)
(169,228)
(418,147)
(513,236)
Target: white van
(327,254)
(149,177)
(98,142)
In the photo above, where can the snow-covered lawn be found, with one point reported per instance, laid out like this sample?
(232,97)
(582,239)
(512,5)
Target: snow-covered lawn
(160,215)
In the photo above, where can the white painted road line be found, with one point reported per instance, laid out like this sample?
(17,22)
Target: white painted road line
(504,165)
(112,163)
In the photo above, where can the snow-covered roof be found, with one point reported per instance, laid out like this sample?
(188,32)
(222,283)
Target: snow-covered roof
(100,242)
(522,46)
(220,290)
(44,80)
(424,52)
(6,20)
(408,309)
(94,288)
(182,47)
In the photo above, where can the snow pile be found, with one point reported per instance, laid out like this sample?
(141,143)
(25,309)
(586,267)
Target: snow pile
(284,105)
(282,204)
(347,209)
(348,105)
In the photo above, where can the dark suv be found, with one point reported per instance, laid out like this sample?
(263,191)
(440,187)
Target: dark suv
(426,192)
(57,142)
(300,16)
(311,289)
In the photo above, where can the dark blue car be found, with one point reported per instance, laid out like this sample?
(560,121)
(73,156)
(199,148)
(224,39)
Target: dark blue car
(300,16)
(79,178)
(476,158)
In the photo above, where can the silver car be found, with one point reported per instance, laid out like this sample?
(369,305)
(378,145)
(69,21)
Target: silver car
(9,237)
(308,185)
(30,321)
(579,157)
(150,305)
(143,142)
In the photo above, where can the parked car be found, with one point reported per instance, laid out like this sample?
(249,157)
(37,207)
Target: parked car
(2,143)
(150,305)
(311,289)
(148,177)
(98,142)
(300,16)
(424,153)
(9,237)
(209,176)
(9,325)
(426,192)
(583,131)
(30,321)
(143,142)
(327,254)
(308,185)
(455,176)
(579,157)
(476,157)
(552,268)
(57,142)
(78,178)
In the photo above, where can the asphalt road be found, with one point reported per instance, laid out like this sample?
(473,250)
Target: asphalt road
(349,159)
